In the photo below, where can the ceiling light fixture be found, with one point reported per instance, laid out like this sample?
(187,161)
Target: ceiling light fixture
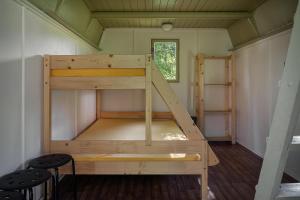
(167,26)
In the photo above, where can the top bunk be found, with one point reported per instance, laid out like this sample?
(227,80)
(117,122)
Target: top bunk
(102,71)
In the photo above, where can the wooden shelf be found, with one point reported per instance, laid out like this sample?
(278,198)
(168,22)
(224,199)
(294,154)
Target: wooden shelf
(217,111)
(218,84)
(217,57)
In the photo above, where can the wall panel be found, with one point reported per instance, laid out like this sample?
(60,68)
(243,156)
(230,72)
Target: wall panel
(138,41)
(25,36)
(42,38)
(10,86)
(259,70)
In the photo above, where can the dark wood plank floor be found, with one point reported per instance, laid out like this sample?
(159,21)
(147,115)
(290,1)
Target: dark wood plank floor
(233,179)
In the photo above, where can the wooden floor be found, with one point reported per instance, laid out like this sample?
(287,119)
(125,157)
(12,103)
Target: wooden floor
(233,179)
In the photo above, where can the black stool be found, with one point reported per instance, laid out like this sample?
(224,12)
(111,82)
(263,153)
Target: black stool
(11,195)
(54,161)
(24,180)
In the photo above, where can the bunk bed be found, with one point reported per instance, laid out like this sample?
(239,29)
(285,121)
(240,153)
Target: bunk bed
(126,142)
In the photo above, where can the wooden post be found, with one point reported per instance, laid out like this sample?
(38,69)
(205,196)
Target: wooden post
(196,91)
(204,175)
(233,99)
(226,97)
(47,106)
(148,110)
(98,104)
(201,124)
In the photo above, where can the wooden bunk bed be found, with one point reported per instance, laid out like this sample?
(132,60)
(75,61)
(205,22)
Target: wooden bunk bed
(126,142)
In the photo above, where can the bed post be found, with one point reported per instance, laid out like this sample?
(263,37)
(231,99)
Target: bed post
(204,174)
(47,102)
(148,110)
(227,97)
(200,92)
(98,104)
(233,98)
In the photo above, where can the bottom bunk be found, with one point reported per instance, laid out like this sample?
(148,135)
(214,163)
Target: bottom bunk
(134,129)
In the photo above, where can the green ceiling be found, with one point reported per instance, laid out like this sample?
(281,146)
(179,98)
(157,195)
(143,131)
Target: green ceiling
(173,5)
(75,15)
(245,20)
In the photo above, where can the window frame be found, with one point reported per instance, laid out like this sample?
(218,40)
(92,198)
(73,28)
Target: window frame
(176,80)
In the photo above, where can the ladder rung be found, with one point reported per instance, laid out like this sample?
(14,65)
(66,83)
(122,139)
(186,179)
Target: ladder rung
(296,140)
(289,190)
(295,144)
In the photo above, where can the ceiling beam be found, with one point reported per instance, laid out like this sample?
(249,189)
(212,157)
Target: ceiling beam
(171,15)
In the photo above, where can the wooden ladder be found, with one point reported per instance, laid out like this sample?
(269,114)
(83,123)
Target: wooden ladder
(283,127)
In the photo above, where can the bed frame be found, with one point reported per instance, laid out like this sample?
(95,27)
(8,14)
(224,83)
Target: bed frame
(101,72)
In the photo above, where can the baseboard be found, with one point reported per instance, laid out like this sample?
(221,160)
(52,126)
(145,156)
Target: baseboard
(289,175)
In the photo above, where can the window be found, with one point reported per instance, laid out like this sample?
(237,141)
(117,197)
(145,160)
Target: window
(166,56)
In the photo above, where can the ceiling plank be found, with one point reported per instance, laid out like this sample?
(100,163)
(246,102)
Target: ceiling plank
(172,5)
(185,15)
(149,5)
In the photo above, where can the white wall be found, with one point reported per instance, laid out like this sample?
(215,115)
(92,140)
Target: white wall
(259,69)
(10,87)
(138,41)
(216,98)
(25,36)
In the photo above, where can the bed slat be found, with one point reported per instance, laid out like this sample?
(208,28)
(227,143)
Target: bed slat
(98,72)
(136,157)
(126,146)
(81,83)
(133,167)
(135,115)
(97,61)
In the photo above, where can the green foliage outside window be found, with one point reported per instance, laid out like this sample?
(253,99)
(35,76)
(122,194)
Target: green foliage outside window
(166,58)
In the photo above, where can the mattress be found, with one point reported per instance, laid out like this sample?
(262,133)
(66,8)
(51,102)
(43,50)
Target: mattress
(133,129)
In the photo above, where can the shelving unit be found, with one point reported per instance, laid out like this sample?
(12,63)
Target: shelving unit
(203,85)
